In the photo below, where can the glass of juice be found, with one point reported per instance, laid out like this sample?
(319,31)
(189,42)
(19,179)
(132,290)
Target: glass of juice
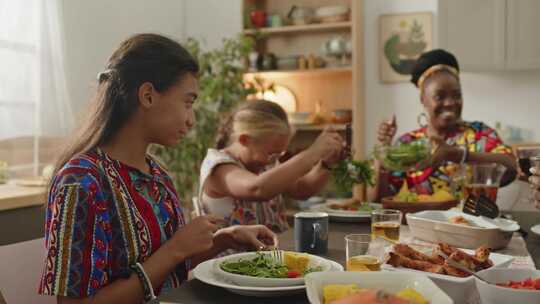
(535,163)
(385,223)
(357,249)
(483,185)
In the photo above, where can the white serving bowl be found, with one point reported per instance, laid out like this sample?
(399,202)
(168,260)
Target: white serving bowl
(493,294)
(391,282)
(244,280)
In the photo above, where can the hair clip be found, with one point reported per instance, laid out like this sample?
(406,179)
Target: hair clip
(104,75)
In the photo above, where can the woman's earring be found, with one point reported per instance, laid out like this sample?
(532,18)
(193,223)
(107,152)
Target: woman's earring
(422,120)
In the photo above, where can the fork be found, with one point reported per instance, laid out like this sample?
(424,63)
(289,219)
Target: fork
(457,265)
(481,206)
(277,255)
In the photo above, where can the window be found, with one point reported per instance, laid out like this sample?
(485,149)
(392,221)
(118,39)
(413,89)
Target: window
(34,107)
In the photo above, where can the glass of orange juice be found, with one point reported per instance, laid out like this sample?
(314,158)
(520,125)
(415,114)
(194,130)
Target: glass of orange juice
(358,259)
(385,223)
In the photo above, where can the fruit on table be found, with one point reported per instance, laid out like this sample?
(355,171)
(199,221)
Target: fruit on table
(335,292)
(412,296)
(405,195)
(351,293)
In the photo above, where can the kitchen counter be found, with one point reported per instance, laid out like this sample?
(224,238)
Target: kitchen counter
(13,196)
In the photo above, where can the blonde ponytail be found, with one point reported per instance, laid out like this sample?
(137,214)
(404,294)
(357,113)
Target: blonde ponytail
(255,118)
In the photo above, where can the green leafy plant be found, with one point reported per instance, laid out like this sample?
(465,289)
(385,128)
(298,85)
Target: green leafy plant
(349,172)
(221,89)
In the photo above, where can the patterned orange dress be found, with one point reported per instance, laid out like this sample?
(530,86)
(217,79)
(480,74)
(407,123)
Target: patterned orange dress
(476,136)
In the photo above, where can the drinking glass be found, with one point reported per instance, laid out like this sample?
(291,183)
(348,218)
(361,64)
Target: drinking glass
(357,248)
(385,223)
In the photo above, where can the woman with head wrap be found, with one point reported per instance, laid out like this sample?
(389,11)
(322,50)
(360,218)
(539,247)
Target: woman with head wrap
(436,75)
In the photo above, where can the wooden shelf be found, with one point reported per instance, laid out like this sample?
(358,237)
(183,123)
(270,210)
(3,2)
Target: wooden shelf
(316,27)
(318,127)
(301,72)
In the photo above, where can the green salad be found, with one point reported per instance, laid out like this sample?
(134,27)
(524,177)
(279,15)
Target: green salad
(263,266)
(349,172)
(402,157)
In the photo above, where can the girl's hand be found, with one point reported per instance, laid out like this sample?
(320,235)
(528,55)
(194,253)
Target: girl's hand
(195,237)
(249,237)
(387,131)
(328,145)
(535,184)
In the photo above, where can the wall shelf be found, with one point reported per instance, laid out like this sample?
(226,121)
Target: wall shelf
(320,71)
(325,89)
(318,127)
(316,27)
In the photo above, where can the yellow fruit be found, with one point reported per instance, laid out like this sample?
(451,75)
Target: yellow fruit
(439,185)
(334,292)
(411,295)
(296,261)
(404,195)
(424,198)
(404,189)
(442,196)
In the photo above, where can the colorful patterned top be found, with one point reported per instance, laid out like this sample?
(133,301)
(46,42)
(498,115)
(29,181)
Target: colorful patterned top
(476,135)
(103,216)
(239,212)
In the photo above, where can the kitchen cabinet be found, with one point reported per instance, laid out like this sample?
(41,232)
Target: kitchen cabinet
(523,26)
(487,35)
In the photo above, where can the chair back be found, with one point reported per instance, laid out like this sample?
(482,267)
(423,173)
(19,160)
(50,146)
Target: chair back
(21,265)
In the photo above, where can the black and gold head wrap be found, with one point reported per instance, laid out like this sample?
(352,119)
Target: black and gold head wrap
(430,62)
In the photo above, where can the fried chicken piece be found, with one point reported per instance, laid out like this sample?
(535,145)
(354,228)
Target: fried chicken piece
(482,253)
(398,260)
(453,271)
(446,249)
(407,251)
(469,261)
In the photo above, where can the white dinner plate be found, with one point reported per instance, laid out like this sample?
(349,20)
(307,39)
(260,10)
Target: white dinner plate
(343,215)
(204,272)
(536,229)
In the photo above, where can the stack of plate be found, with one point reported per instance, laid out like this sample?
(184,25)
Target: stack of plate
(338,215)
(210,273)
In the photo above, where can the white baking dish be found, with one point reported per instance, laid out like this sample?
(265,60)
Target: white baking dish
(435,226)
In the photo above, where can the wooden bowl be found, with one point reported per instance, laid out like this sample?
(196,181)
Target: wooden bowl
(407,207)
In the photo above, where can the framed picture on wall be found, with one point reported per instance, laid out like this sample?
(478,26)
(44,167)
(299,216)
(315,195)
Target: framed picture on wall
(402,38)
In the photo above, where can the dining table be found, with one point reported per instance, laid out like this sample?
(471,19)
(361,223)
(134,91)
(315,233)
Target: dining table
(525,250)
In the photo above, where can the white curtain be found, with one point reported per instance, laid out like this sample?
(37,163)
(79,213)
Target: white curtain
(34,99)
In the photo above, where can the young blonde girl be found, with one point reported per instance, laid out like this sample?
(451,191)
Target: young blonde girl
(242,180)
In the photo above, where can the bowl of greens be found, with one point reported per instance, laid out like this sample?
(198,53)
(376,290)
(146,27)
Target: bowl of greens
(403,156)
(260,269)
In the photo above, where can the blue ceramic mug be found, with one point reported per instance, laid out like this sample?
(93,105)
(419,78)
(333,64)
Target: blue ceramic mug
(311,232)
